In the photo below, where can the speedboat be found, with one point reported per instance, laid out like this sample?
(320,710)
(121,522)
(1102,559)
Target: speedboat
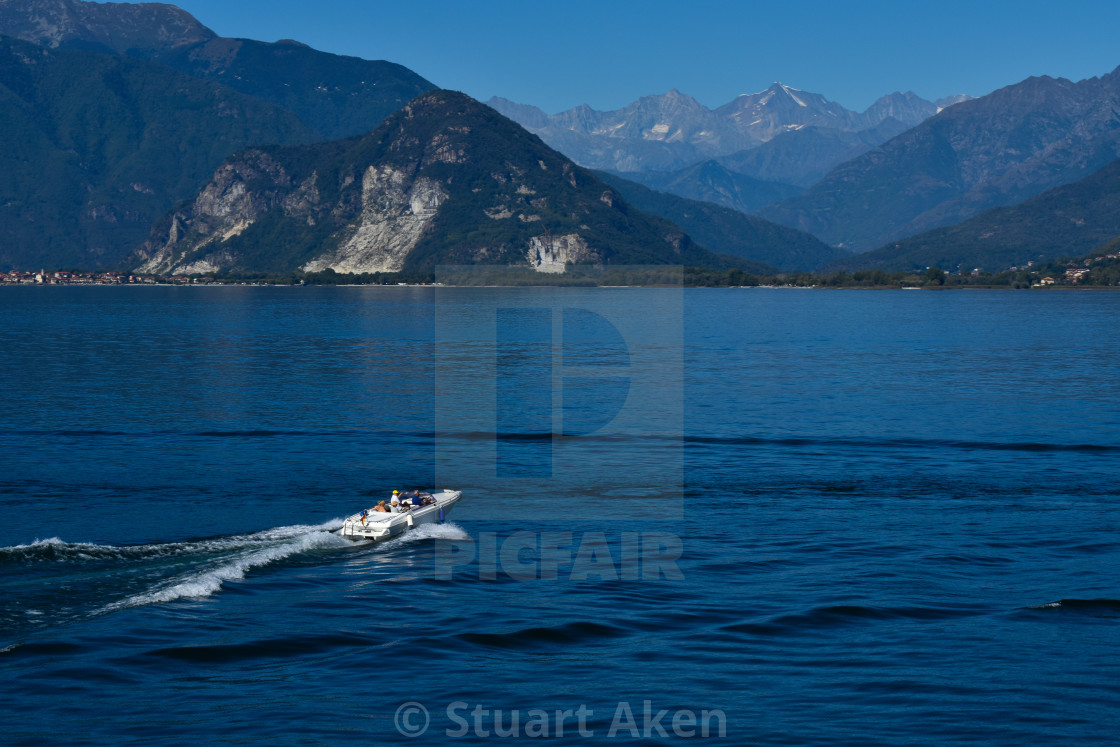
(430,508)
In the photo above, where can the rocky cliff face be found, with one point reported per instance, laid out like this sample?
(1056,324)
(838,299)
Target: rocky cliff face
(377,219)
(194,238)
(553,254)
(444,181)
(395,212)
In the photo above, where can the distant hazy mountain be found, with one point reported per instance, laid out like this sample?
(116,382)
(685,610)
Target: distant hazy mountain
(781,109)
(709,181)
(997,150)
(951,100)
(761,244)
(672,131)
(445,180)
(803,157)
(907,108)
(1066,221)
(335,95)
(655,132)
(96,147)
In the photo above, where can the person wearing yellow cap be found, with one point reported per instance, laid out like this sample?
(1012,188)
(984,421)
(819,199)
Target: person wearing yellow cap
(395,503)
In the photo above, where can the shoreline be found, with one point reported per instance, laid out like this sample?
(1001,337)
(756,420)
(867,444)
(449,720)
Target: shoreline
(937,288)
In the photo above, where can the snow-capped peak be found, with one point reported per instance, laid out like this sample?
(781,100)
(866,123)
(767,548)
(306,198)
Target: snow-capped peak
(766,96)
(792,93)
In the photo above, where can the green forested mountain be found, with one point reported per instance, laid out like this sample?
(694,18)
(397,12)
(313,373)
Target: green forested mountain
(338,96)
(96,147)
(446,180)
(1066,221)
(335,95)
(102,136)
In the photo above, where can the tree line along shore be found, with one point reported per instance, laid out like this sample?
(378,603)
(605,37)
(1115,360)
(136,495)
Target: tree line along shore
(1102,271)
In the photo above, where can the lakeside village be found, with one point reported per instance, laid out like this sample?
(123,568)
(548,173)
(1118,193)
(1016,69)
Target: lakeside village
(100,277)
(1100,271)
(80,277)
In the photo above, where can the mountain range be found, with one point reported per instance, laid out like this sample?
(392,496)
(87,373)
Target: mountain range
(866,181)
(445,180)
(252,155)
(673,131)
(96,147)
(997,150)
(758,245)
(803,157)
(116,112)
(1066,221)
(122,111)
(335,95)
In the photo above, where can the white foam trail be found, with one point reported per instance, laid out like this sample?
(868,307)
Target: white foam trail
(52,542)
(220,560)
(252,551)
(62,551)
(205,583)
(427,531)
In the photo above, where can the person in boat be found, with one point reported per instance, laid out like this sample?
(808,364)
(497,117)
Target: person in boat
(395,502)
(380,507)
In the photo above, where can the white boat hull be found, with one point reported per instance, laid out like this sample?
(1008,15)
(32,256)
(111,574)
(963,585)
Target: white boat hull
(377,527)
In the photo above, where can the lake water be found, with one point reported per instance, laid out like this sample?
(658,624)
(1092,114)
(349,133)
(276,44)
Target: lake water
(782,516)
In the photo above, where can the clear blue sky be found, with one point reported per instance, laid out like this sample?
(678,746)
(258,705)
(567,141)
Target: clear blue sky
(607,53)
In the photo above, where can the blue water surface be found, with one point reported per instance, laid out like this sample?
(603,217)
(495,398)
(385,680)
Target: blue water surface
(787,516)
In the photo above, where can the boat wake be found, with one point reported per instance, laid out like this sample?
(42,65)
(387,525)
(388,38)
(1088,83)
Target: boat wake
(55,550)
(1101,607)
(446,531)
(229,559)
(51,581)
